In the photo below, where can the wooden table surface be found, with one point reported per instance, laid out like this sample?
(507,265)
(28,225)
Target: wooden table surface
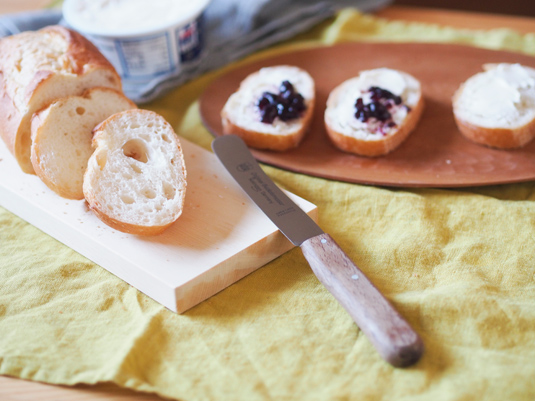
(12,389)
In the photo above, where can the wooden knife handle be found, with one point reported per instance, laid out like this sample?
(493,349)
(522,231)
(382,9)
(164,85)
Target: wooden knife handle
(391,335)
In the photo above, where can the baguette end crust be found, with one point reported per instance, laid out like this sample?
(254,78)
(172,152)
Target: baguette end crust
(241,117)
(39,67)
(136,179)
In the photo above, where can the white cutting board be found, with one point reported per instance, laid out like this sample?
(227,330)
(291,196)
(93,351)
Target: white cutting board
(220,237)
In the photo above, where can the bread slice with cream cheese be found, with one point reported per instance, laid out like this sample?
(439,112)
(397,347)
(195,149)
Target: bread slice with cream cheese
(266,112)
(496,108)
(374,112)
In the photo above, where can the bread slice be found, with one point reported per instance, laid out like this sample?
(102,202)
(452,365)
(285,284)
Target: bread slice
(39,67)
(135,181)
(62,134)
(369,132)
(496,108)
(242,115)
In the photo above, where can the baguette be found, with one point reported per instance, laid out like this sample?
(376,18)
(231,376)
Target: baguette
(39,67)
(273,125)
(135,180)
(496,108)
(62,134)
(373,113)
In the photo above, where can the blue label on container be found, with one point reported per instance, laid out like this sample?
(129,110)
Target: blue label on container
(190,40)
(145,57)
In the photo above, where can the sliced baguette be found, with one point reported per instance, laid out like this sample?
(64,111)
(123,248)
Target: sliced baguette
(373,137)
(241,115)
(39,67)
(62,134)
(135,181)
(496,108)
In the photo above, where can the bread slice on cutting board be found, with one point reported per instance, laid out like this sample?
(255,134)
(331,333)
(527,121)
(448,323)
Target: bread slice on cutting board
(496,108)
(374,112)
(38,67)
(272,108)
(135,181)
(62,134)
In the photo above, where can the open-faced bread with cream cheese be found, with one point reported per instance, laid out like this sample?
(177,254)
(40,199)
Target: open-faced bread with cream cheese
(496,107)
(38,67)
(272,108)
(62,135)
(374,112)
(135,180)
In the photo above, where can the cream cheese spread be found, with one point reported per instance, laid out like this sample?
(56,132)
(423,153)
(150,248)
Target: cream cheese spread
(501,97)
(130,17)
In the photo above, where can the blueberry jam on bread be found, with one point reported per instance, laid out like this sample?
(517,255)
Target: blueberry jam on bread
(286,105)
(380,107)
(374,112)
(272,108)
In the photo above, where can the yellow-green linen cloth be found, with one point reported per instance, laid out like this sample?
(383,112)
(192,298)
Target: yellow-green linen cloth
(458,264)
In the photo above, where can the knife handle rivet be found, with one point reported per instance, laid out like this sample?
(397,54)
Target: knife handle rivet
(355,277)
(323,241)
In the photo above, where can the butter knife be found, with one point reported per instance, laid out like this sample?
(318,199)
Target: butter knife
(391,335)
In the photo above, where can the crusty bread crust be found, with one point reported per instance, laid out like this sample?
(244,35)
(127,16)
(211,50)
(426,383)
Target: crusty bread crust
(500,138)
(82,59)
(262,140)
(383,145)
(121,225)
(289,137)
(378,146)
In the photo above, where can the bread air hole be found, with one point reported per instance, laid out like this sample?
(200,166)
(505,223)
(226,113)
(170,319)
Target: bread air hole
(168,190)
(149,194)
(101,160)
(135,167)
(127,199)
(80,111)
(136,149)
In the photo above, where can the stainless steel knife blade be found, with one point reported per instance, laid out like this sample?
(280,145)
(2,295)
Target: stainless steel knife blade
(391,335)
(291,220)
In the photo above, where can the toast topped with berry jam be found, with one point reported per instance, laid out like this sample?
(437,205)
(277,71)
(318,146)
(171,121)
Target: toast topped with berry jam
(374,112)
(496,107)
(272,109)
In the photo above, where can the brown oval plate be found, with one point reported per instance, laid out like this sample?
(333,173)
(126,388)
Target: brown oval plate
(434,155)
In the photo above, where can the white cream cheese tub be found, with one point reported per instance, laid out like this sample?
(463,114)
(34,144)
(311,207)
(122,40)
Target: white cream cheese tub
(147,41)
